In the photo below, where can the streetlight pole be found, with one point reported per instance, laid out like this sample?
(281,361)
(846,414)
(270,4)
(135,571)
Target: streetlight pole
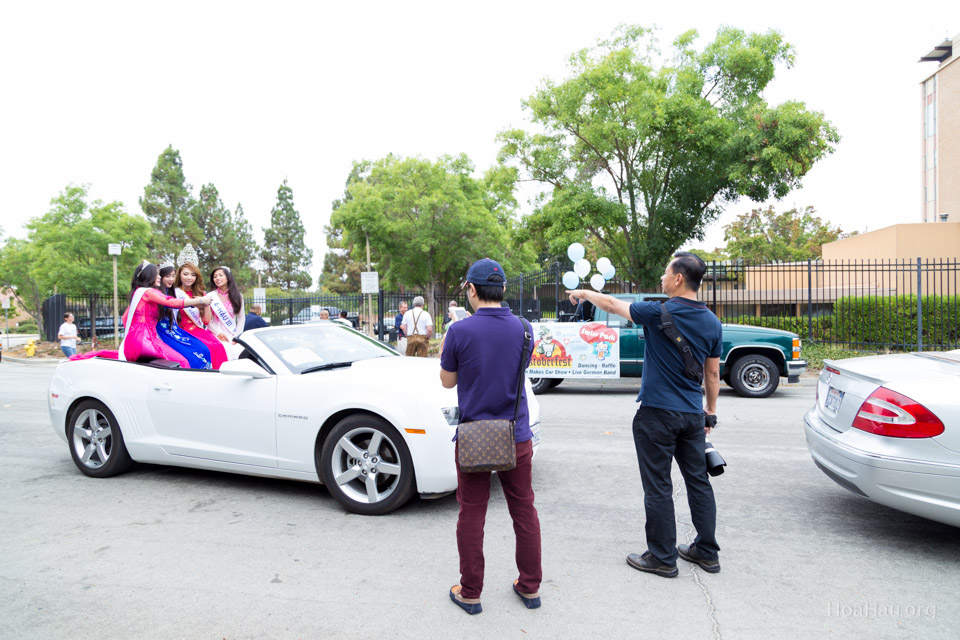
(114,250)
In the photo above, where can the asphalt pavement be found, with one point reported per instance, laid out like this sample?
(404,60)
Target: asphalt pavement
(175,553)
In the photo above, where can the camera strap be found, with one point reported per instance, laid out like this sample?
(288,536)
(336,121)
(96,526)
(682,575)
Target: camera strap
(692,368)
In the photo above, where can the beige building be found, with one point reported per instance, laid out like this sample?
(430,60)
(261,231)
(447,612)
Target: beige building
(899,242)
(940,126)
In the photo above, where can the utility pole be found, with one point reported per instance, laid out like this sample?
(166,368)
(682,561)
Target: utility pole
(369,299)
(113,250)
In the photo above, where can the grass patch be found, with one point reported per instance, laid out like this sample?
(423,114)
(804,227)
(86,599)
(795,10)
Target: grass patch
(815,354)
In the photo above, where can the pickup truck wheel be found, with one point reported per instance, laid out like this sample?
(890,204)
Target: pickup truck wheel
(540,385)
(754,376)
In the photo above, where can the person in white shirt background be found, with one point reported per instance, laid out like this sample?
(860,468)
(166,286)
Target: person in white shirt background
(418,327)
(67,335)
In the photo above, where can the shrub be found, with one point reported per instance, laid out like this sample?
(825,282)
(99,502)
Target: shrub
(822,325)
(893,319)
(25,327)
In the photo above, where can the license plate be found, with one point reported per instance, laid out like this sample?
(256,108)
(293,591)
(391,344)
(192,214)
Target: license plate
(834,397)
(535,428)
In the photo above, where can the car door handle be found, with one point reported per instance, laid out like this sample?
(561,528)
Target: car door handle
(163,386)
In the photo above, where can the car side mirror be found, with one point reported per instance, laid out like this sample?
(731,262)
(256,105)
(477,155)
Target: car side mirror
(243,368)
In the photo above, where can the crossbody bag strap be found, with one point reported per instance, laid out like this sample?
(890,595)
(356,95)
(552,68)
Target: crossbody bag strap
(523,360)
(692,368)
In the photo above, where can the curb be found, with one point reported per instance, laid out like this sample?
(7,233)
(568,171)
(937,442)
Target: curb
(33,361)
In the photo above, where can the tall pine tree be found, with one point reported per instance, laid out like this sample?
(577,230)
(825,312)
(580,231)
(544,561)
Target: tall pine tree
(285,254)
(168,205)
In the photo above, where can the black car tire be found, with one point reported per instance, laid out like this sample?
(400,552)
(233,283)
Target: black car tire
(555,382)
(347,453)
(95,441)
(540,385)
(754,376)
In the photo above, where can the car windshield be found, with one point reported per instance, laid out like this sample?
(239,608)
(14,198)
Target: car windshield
(308,347)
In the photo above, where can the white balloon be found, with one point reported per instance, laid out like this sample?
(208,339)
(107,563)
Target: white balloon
(597,282)
(570,280)
(603,264)
(582,268)
(609,273)
(575,252)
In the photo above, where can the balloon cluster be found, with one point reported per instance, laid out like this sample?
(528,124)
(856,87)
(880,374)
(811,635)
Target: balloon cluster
(581,267)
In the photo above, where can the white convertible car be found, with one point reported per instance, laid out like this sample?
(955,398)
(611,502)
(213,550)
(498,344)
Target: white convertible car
(319,403)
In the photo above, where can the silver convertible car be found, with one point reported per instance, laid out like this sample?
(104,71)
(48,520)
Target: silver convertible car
(888,428)
(318,403)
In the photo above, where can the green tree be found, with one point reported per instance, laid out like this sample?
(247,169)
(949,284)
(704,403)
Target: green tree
(343,263)
(763,235)
(285,253)
(428,221)
(643,152)
(719,253)
(66,249)
(168,205)
(17,259)
(227,238)
(341,272)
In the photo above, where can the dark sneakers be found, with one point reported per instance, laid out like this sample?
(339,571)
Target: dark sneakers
(648,563)
(690,554)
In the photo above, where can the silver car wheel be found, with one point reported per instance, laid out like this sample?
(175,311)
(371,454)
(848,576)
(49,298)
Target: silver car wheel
(92,439)
(366,465)
(755,377)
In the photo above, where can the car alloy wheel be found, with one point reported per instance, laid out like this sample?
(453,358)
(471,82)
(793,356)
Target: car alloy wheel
(92,439)
(366,465)
(96,444)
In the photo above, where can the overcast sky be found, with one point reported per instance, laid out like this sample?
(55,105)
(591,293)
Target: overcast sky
(251,93)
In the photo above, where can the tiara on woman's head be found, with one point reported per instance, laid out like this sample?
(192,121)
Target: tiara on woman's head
(145,264)
(165,265)
(188,254)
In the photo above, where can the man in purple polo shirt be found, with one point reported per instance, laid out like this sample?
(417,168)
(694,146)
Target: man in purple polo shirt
(480,357)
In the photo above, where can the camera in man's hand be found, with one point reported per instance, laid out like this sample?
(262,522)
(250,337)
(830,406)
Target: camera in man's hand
(715,462)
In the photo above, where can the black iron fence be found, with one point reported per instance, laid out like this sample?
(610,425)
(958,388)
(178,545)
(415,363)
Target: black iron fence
(865,304)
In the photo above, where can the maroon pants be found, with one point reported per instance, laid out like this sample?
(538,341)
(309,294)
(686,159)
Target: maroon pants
(473,493)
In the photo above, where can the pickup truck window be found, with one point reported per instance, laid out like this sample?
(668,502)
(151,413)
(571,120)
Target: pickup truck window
(613,320)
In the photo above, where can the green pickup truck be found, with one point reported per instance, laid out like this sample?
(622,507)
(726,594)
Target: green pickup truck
(752,361)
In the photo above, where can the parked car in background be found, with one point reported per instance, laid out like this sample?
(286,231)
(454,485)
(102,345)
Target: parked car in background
(308,314)
(752,362)
(887,428)
(104,326)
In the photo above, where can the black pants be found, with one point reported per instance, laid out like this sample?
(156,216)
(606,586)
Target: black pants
(660,436)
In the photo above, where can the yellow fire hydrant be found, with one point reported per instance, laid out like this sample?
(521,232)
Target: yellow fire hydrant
(31,348)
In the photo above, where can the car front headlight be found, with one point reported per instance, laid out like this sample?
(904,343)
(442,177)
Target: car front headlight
(452,414)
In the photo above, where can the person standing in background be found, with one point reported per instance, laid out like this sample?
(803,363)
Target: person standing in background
(67,335)
(398,325)
(254,321)
(418,327)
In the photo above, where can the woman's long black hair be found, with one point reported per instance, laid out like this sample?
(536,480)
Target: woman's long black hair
(165,271)
(143,276)
(233,292)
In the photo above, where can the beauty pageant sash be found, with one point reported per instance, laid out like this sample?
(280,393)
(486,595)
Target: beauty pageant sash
(128,320)
(192,312)
(221,313)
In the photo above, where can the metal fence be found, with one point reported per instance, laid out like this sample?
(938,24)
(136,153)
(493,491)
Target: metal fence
(863,304)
